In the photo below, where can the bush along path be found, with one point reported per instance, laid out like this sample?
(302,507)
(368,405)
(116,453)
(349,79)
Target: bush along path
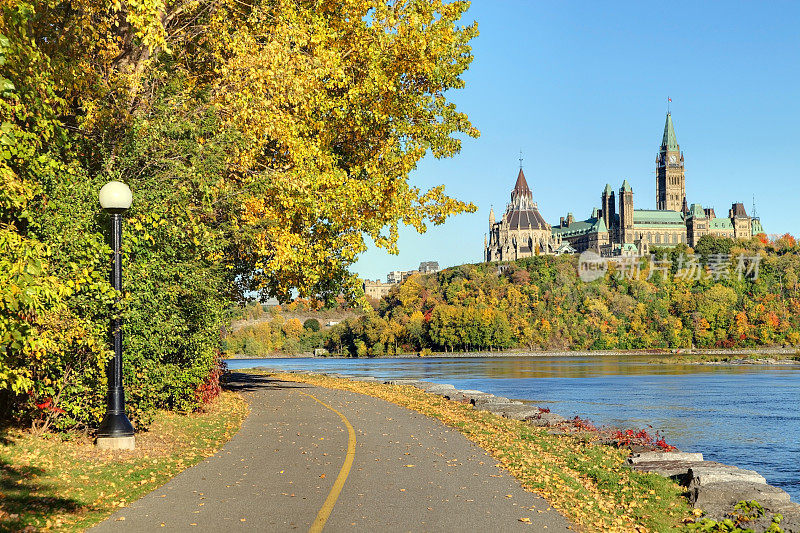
(599,478)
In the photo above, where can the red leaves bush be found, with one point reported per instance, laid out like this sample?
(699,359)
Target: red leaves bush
(210,388)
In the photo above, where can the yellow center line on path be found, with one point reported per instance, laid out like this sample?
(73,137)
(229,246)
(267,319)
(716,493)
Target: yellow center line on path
(333,495)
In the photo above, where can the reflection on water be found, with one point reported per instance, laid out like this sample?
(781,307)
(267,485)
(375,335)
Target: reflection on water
(743,415)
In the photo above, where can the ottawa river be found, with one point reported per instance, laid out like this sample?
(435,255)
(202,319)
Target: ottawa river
(743,415)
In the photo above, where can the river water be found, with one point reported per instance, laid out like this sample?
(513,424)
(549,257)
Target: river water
(744,415)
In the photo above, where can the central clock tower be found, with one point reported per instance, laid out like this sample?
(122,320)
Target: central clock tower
(670,173)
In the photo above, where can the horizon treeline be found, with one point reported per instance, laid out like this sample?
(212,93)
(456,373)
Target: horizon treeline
(540,303)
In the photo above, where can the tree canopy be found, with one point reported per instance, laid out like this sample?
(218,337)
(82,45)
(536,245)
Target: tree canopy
(264,141)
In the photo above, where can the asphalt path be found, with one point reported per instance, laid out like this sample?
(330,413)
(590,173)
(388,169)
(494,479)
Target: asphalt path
(309,458)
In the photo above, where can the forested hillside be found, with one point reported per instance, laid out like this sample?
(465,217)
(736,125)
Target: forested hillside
(540,303)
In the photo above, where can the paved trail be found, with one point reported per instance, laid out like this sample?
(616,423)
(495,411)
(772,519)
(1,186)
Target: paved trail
(283,468)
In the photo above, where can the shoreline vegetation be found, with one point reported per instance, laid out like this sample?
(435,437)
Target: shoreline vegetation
(61,481)
(540,304)
(756,356)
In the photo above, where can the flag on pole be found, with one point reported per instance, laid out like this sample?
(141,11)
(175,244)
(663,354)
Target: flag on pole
(669,99)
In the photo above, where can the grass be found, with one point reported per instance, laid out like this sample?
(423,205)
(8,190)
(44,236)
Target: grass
(586,482)
(63,482)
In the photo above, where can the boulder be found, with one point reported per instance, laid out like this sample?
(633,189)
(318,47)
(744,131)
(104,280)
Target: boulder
(439,388)
(490,398)
(516,410)
(727,494)
(677,470)
(648,457)
(705,475)
(409,382)
(546,419)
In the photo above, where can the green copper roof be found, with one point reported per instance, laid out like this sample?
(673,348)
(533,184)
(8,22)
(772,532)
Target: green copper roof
(647,217)
(581,227)
(608,190)
(721,223)
(757,227)
(669,141)
(626,186)
(696,211)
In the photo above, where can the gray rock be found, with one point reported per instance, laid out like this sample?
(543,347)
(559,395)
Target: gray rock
(491,398)
(473,395)
(719,499)
(647,457)
(410,382)
(705,475)
(727,494)
(456,396)
(546,419)
(439,388)
(517,411)
(364,378)
(677,470)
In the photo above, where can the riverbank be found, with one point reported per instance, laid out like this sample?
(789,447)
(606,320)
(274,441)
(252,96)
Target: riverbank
(587,482)
(778,353)
(725,492)
(63,482)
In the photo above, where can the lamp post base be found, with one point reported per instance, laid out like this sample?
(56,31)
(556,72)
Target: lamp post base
(116,443)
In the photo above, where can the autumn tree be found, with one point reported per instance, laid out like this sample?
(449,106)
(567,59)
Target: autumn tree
(263,142)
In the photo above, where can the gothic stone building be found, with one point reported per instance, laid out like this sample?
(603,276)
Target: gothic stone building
(616,227)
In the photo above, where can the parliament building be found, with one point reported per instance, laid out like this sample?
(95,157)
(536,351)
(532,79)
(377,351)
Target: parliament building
(616,227)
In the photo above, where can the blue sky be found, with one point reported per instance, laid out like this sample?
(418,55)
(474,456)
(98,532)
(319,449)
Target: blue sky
(581,88)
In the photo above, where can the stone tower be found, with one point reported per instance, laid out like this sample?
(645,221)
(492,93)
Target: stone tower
(670,173)
(626,233)
(608,206)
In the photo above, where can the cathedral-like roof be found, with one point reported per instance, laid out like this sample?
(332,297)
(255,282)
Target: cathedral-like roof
(669,142)
(522,183)
(526,219)
(522,212)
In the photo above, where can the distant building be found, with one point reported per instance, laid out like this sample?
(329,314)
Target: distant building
(616,227)
(428,267)
(522,231)
(376,289)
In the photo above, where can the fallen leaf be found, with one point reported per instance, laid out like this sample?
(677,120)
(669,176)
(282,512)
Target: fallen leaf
(525,520)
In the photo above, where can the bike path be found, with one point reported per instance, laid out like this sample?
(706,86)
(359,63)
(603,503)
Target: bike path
(281,471)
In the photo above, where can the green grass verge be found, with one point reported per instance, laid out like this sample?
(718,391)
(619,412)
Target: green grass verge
(63,482)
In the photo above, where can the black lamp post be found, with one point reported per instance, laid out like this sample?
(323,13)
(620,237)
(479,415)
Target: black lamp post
(116,431)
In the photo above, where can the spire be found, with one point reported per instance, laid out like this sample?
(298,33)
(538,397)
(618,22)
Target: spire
(522,183)
(626,187)
(669,142)
(521,196)
(491,216)
(608,190)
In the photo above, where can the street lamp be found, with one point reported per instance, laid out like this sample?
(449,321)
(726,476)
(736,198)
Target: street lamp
(116,431)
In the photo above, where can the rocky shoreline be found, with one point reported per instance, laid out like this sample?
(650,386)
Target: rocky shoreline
(766,351)
(713,487)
